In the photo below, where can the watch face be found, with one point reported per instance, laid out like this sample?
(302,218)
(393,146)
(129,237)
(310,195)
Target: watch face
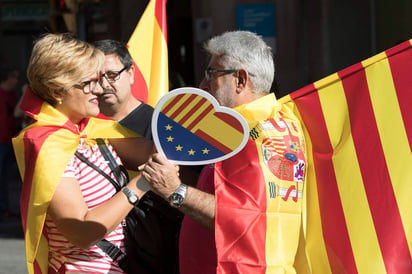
(133,199)
(177,199)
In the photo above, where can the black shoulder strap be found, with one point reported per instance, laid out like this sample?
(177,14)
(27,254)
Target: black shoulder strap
(110,249)
(89,163)
(104,150)
(118,171)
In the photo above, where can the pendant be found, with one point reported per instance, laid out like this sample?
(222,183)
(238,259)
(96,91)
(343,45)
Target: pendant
(82,144)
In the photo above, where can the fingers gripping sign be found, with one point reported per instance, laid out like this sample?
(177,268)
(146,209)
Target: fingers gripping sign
(162,175)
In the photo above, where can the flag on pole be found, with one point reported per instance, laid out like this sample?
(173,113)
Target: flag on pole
(358,129)
(148,48)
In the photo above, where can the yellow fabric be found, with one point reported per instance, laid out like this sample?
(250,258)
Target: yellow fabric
(148,48)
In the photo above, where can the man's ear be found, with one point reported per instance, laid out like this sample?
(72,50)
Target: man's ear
(242,79)
(131,73)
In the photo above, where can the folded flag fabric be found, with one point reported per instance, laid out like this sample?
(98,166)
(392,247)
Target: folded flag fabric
(358,130)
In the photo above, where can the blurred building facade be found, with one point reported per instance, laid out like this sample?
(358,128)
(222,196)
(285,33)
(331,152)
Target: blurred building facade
(310,38)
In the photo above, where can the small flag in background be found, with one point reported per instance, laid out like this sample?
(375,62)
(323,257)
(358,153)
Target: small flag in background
(358,129)
(148,47)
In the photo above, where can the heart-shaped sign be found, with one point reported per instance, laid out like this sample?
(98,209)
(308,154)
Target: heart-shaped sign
(190,128)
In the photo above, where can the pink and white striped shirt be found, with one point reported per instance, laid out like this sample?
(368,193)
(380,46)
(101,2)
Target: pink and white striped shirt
(96,190)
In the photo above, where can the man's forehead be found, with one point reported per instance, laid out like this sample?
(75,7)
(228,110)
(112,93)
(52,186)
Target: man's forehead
(112,61)
(215,60)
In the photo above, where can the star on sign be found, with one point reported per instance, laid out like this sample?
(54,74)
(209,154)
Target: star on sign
(168,127)
(191,152)
(205,151)
(178,148)
(170,139)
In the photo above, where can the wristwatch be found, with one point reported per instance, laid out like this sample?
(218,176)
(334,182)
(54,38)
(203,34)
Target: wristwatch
(131,196)
(178,197)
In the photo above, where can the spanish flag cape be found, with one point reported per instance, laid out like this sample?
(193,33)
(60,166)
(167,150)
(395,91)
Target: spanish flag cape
(259,193)
(43,150)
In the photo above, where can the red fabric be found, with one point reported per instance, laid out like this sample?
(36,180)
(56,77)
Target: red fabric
(140,89)
(8,102)
(242,183)
(197,249)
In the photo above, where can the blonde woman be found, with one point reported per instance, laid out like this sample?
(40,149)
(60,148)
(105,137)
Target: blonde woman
(68,207)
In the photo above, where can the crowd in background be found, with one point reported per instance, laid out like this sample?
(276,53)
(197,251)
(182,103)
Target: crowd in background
(12,120)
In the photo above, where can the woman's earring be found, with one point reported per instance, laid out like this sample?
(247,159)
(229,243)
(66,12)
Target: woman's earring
(59,102)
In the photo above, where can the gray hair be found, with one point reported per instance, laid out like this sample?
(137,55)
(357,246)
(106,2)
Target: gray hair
(247,50)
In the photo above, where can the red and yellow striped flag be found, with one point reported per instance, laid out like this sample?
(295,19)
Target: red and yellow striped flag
(358,129)
(148,48)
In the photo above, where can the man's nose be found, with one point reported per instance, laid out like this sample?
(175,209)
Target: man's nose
(98,89)
(103,81)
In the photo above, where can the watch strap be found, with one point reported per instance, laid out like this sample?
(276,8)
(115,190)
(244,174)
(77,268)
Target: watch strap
(131,196)
(178,197)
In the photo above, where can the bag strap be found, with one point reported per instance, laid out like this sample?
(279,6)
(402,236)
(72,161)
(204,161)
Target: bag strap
(89,163)
(117,169)
(107,247)
(110,249)
(104,150)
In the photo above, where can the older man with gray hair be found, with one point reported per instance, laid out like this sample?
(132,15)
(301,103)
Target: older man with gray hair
(244,215)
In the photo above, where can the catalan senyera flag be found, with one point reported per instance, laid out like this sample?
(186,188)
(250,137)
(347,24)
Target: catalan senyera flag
(43,150)
(358,130)
(148,48)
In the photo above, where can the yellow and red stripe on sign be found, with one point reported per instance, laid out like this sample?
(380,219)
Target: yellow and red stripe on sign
(358,129)
(148,48)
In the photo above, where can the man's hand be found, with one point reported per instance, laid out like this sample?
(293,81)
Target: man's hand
(162,176)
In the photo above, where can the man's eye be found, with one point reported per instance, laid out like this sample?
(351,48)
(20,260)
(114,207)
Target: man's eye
(111,75)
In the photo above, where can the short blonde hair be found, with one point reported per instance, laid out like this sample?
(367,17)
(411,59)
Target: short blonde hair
(59,61)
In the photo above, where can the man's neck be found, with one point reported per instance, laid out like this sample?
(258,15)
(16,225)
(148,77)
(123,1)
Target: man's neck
(248,96)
